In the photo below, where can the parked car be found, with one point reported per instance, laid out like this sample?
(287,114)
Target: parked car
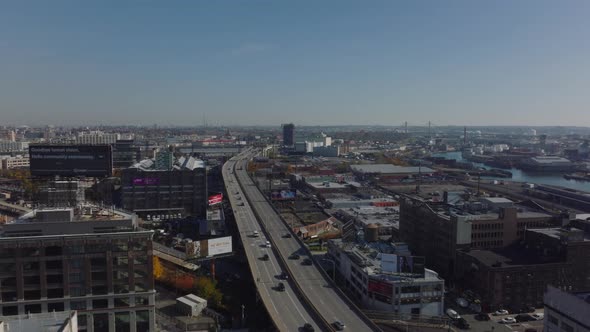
(529,309)
(501,312)
(538,316)
(453,314)
(507,320)
(462,302)
(523,318)
(462,323)
(482,316)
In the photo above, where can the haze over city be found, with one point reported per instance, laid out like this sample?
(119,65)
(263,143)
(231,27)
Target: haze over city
(312,63)
(266,165)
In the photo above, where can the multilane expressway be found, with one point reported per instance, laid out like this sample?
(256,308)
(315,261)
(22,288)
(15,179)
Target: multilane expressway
(310,297)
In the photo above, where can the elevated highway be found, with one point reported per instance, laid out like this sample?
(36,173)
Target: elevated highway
(316,287)
(286,308)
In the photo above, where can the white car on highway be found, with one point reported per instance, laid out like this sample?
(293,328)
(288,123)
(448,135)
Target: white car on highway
(267,244)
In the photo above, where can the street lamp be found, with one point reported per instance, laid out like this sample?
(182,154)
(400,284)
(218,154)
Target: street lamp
(333,267)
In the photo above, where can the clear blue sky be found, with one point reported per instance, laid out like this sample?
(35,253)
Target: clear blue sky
(308,62)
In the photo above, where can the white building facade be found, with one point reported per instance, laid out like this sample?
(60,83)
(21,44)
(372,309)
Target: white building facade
(378,290)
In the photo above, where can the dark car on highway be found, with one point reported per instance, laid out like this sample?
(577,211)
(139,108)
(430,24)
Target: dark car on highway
(306,261)
(281,287)
(265,257)
(294,256)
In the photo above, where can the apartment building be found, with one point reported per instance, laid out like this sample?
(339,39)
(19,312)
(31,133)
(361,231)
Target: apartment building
(18,161)
(91,260)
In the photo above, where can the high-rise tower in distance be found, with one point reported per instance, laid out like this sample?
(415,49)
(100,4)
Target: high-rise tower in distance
(288,134)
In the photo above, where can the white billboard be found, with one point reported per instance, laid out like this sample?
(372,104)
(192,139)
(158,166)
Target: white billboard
(219,246)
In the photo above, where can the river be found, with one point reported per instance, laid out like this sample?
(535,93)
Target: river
(554,179)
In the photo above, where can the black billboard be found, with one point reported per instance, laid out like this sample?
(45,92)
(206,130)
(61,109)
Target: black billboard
(71,160)
(411,265)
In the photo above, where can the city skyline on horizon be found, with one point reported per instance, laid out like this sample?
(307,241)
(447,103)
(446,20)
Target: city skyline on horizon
(261,63)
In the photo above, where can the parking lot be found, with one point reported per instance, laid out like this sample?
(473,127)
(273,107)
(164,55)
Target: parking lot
(494,323)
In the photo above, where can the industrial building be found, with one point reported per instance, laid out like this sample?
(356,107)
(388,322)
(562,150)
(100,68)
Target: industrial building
(566,311)
(547,164)
(516,276)
(19,161)
(379,286)
(387,172)
(92,260)
(326,151)
(97,138)
(156,193)
(438,229)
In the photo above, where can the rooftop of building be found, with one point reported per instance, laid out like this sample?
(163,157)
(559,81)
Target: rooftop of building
(466,204)
(427,191)
(181,163)
(389,169)
(368,255)
(513,256)
(571,234)
(83,212)
(46,322)
(381,216)
(549,159)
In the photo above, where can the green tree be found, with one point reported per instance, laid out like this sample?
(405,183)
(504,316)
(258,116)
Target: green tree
(206,288)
